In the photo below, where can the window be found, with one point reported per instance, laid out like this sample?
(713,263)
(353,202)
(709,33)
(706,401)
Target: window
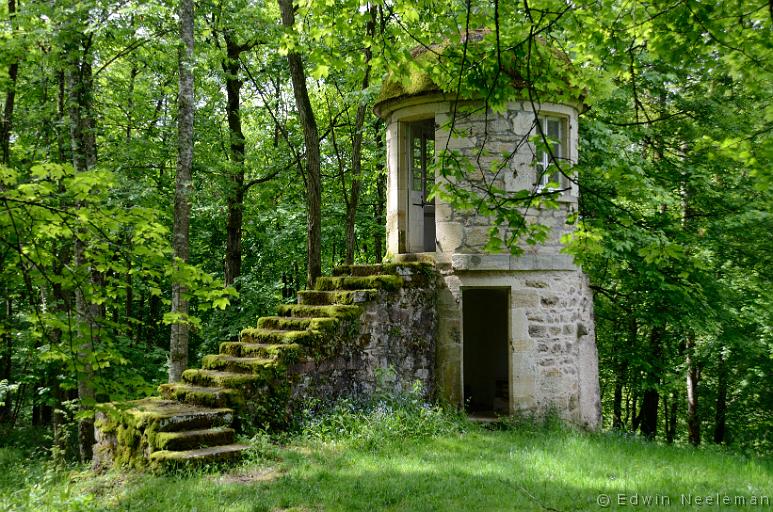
(548,175)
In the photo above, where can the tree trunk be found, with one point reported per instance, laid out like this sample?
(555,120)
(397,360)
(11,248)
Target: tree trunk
(354,192)
(235,195)
(84,154)
(693,377)
(311,139)
(6,363)
(671,417)
(178,342)
(378,206)
(6,123)
(651,396)
(721,408)
(617,401)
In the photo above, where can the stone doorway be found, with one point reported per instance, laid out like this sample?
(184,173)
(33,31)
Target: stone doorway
(486,368)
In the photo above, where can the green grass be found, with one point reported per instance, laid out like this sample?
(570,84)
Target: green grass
(519,468)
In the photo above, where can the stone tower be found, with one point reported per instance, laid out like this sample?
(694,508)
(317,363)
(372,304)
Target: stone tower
(515,333)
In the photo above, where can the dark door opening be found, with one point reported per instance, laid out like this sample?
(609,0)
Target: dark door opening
(485,339)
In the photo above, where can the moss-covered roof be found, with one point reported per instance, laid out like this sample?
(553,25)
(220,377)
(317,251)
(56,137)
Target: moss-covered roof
(435,69)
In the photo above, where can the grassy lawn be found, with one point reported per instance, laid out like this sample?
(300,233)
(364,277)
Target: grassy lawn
(521,468)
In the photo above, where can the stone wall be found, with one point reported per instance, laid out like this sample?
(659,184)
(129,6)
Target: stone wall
(482,139)
(553,366)
(392,345)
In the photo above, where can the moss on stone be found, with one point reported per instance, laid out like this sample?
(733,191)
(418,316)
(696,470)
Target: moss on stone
(343,312)
(137,424)
(333,298)
(226,379)
(192,439)
(200,395)
(289,323)
(371,282)
(254,365)
(286,353)
(270,336)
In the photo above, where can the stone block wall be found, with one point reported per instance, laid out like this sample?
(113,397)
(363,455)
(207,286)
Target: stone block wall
(553,360)
(482,139)
(392,344)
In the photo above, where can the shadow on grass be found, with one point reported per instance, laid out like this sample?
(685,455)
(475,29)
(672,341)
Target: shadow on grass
(476,471)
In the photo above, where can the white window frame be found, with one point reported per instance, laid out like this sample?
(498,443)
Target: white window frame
(560,152)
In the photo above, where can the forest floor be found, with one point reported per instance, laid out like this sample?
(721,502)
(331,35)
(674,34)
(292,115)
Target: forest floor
(518,468)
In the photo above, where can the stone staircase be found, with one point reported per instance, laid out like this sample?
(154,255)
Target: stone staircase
(249,382)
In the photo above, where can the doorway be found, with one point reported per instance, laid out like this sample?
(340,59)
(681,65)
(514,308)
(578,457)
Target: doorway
(421,211)
(485,347)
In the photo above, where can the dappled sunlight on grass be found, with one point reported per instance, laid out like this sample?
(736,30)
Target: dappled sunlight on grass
(512,469)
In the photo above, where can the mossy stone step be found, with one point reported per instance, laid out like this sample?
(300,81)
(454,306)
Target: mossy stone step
(262,366)
(224,453)
(217,378)
(343,312)
(159,415)
(338,297)
(285,353)
(191,439)
(398,269)
(201,395)
(283,323)
(379,282)
(274,336)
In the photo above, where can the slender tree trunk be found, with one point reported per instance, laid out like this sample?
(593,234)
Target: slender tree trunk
(354,192)
(379,205)
(721,408)
(311,139)
(6,124)
(671,417)
(693,377)
(651,396)
(617,401)
(6,362)
(178,342)
(235,196)
(83,141)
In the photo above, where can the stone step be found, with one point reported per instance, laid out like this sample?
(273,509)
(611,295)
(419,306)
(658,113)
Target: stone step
(224,453)
(360,270)
(283,323)
(379,282)
(305,311)
(286,353)
(192,439)
(338,297)
(275,336)
(215,378)
(262,366)
(162,415)
(200,395)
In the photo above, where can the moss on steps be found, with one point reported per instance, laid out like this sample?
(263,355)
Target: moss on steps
(399,269)
(135,426)
(343,312)
(285,353)
(215,378)
(335,298)
(372,282)
(306,338)
(192,439)
(283,323)
(201,395)
(265,367)
(225,453)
